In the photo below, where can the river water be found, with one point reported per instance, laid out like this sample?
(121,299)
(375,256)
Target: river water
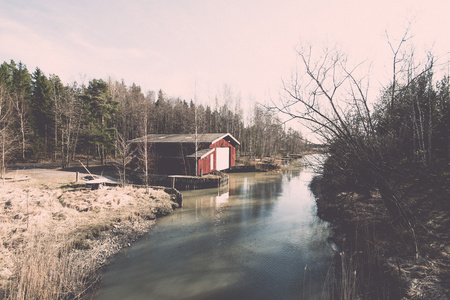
(258,238)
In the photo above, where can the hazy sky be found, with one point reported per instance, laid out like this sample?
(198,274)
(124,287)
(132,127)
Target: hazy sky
(198,46)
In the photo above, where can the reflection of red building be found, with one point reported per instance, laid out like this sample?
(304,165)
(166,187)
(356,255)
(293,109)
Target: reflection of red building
(174,154)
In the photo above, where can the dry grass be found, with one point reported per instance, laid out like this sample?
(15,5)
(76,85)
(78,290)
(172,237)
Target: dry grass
(55,235)
(341,279)
(46,268)
(382,253)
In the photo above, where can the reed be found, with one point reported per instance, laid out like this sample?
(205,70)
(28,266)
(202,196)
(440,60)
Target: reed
(46,268)
(54,238)
(341,280)
(358,271)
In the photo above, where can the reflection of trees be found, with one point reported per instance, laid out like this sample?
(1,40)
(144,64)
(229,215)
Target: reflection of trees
(289,174)
(252,197)
(241,243)
(260,193)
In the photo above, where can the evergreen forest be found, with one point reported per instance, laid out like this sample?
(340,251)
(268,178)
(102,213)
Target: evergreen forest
(44,119)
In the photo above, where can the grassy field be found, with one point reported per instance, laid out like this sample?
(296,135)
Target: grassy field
(56,235)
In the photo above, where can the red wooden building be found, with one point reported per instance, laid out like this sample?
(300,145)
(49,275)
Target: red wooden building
(174,154)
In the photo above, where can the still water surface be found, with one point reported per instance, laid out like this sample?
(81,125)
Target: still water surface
(258,238)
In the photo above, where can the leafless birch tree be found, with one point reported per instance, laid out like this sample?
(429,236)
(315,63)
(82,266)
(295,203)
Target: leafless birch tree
(20,108)
(6,137)
(123,148)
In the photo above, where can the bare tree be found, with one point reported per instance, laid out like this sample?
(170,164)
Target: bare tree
(146,149)
(70,119)
(20,107)
(365,146)
(332,101)
(325,94)
(6,138)
(398,58)
(143,129)
(123,148)
(56,91)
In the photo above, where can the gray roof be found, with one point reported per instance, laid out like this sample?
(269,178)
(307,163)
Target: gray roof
(202,138)
(201,153)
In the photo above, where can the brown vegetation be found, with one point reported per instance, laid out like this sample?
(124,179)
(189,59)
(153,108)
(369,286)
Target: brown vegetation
(385,176)
(56,234)
(381,251)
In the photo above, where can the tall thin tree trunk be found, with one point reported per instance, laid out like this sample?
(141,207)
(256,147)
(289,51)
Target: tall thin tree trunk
(415,131)
(124,165)
(56,131)
(62,150)
(421,133)
(20,109)
(196,140)
(88,153)
(146,153)
(3,156)
(102,154)
(115,145)
(74,146)
(45,141)
(447,111)
(22,129)
(68,138)
(430,120)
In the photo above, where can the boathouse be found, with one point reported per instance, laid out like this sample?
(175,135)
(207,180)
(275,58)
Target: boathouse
(174,154)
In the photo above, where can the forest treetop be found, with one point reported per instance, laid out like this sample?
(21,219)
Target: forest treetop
(41,118)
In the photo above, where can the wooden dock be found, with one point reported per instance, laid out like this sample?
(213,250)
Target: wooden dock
(183,183)
(97,182)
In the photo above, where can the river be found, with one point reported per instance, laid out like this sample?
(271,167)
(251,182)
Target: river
(258,238)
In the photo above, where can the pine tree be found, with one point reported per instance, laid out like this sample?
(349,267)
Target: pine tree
(41,112)
(99,107)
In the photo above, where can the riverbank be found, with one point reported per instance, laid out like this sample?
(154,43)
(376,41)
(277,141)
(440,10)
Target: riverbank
(257,238)
(378,258)
(56,234)
(266,164)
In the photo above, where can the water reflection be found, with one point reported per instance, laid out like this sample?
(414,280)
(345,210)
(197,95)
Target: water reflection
(258,238)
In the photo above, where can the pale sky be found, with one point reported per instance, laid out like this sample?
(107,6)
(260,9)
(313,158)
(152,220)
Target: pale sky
(195,47)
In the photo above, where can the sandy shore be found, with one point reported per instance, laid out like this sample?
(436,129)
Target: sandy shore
(55,234)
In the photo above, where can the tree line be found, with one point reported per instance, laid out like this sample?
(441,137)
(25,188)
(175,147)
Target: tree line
(381,145)
(43,119)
